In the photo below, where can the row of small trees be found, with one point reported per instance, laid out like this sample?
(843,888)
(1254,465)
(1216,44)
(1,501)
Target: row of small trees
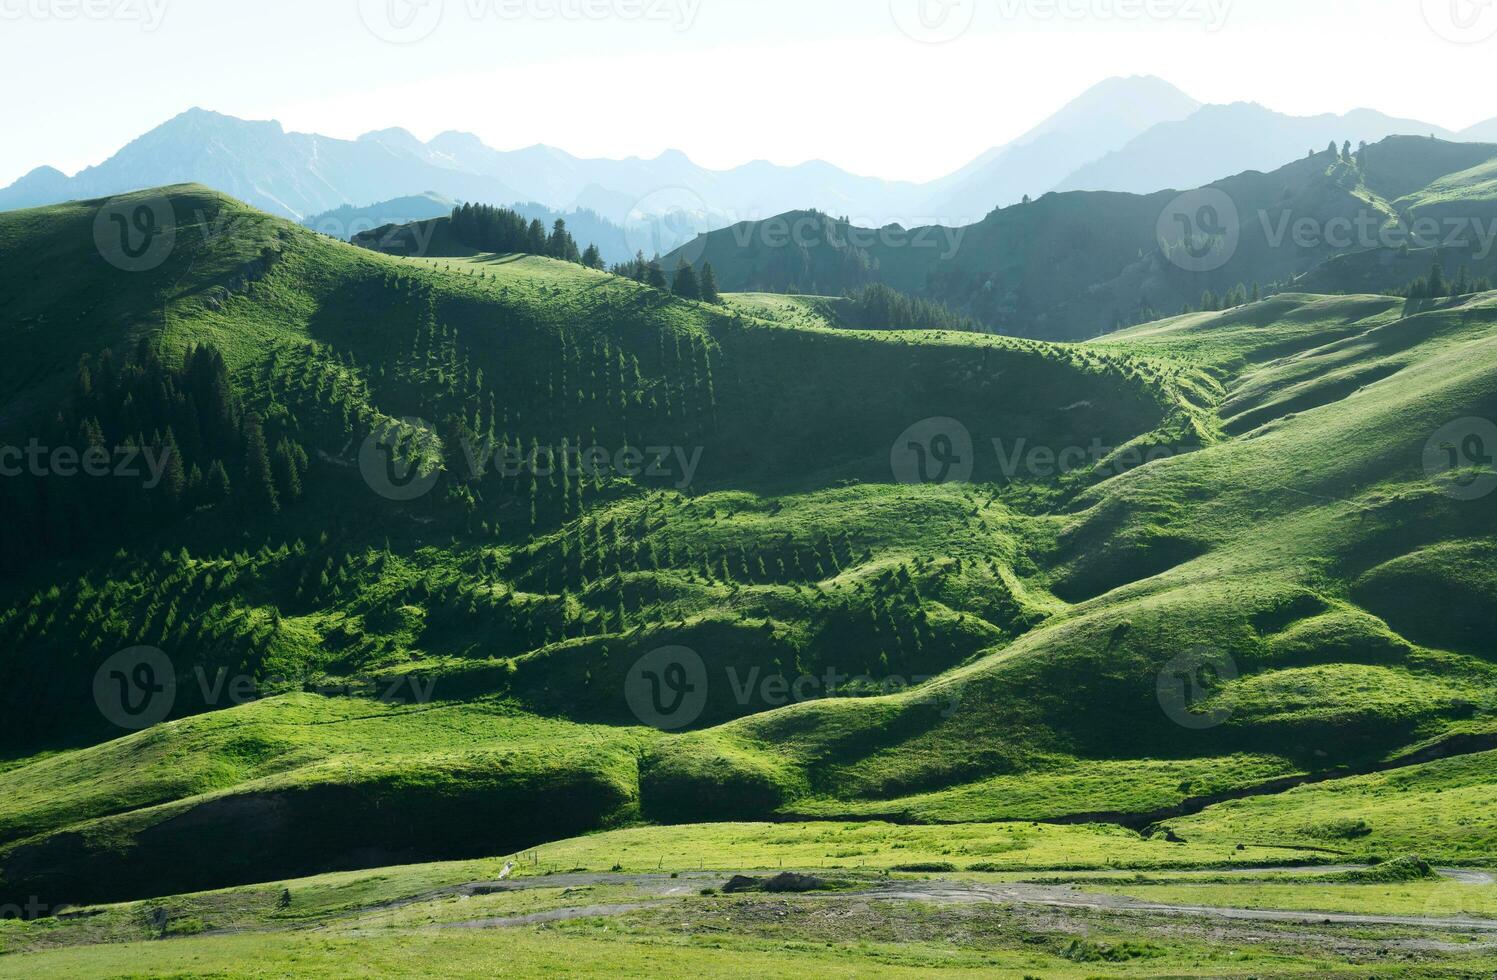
(494,229)
(1237,296)
(880,307)
(1437,286)
(687,282)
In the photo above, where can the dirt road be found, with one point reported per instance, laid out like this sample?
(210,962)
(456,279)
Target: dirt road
(661,887)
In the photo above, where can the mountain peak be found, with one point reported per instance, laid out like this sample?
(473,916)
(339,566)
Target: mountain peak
(1139,84)
(455,139)
(394,134)
(1142,100)
(43,173)
(198,117)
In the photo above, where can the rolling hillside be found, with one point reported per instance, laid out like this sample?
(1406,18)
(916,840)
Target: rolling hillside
(1071,266)
(923,577)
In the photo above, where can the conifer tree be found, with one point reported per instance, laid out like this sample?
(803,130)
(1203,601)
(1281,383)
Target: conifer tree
(218,488)
(1435,287)
(174,476)
(259,479)
(287,470)
(195,485)
(655,276)
(686,285)
(710,293)
(560,245)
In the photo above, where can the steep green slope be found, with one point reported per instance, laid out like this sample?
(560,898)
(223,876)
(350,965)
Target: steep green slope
(1202,556)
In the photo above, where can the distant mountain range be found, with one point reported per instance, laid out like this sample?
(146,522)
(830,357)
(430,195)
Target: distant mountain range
(1218,140)
(1137,134)
(1108,116)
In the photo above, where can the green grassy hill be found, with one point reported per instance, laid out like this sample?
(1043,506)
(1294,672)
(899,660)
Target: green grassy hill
(1206,557)
(1072,265)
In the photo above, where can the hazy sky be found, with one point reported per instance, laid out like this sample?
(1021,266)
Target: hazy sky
(896,88)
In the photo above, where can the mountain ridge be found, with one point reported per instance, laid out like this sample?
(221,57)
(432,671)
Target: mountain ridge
(1117,135)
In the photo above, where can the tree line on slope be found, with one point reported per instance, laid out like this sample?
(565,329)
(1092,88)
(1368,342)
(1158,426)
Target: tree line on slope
(1437,286)
(877,306)
(686,283)
(493,229)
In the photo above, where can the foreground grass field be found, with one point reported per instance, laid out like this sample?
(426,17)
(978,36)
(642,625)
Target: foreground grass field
(562,911)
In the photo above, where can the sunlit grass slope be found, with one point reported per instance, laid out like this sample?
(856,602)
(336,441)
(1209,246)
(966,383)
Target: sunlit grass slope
(1010,635)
